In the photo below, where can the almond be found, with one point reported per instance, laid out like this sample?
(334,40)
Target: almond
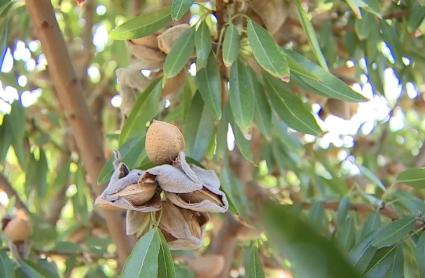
(18,229)
(163,142)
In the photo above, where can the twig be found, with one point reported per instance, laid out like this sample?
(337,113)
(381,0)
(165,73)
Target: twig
(70,96)
(11,192)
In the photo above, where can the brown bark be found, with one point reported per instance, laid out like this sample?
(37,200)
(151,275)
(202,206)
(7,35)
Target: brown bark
(70,96)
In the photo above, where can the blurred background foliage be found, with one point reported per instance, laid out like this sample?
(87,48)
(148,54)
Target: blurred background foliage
(339,169)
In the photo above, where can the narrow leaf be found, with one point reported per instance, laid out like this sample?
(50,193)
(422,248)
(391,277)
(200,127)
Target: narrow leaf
(298,241)
(3,41)
(143,260)
(198,128)
(393,232)
(253,265)
(209,85)
(414,177)
(290,108)
(243,144)
(165,260)
(142,25)
(316,79)
(311,35)
(146,107)
(231,45)
(355,6)
(179,8)
(202,45)
(241,96)
(420,253)
(266,52)
(180,53)
(6,265)
(263,110)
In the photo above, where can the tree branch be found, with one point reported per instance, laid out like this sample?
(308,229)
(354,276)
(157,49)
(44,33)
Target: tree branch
(11,192)
(70,97)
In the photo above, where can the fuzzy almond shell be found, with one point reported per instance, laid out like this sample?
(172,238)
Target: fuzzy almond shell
(17,230)
(163,142)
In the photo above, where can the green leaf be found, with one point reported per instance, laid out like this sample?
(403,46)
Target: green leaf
(241,95)
(415,205)
(346,235)
(16,122)
(234,191)
(165,260)
(313,77)
(179,8)
(266,52)
(290,108)
(416,17)
(39,268)
(202,45)
(198,128)
(343,208)
(362,254)
(143,260)
(5,139)
(362,26)
(372,223)
(231,45)
(371,177)
(128,155)
(420,253)
(263,110)
(355,6)
(180,53)
(147,106)
(297,240)
(393,232)
(252,263)
(414,177)
(311,35)
(386,263)
(6,266)
(3,41)
(209,85)
(243,144)
(142,25)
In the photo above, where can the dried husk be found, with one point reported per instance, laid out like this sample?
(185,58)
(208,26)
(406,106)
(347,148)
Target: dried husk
(272,12)
(342,109)
(172,179)
(137,223)
(18,229)
(149,41)
(163,142)
(206,266)
(183,229)
(131,82)
(201,200)
(172,85)
(152,57)
(137,194)
(153,204)
(168,38)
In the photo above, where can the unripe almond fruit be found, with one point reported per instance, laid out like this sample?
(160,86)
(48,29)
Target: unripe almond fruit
(163,142)
(18,229)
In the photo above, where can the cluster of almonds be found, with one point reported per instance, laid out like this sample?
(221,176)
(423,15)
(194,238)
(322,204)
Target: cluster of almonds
(149,53)
(174,195)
